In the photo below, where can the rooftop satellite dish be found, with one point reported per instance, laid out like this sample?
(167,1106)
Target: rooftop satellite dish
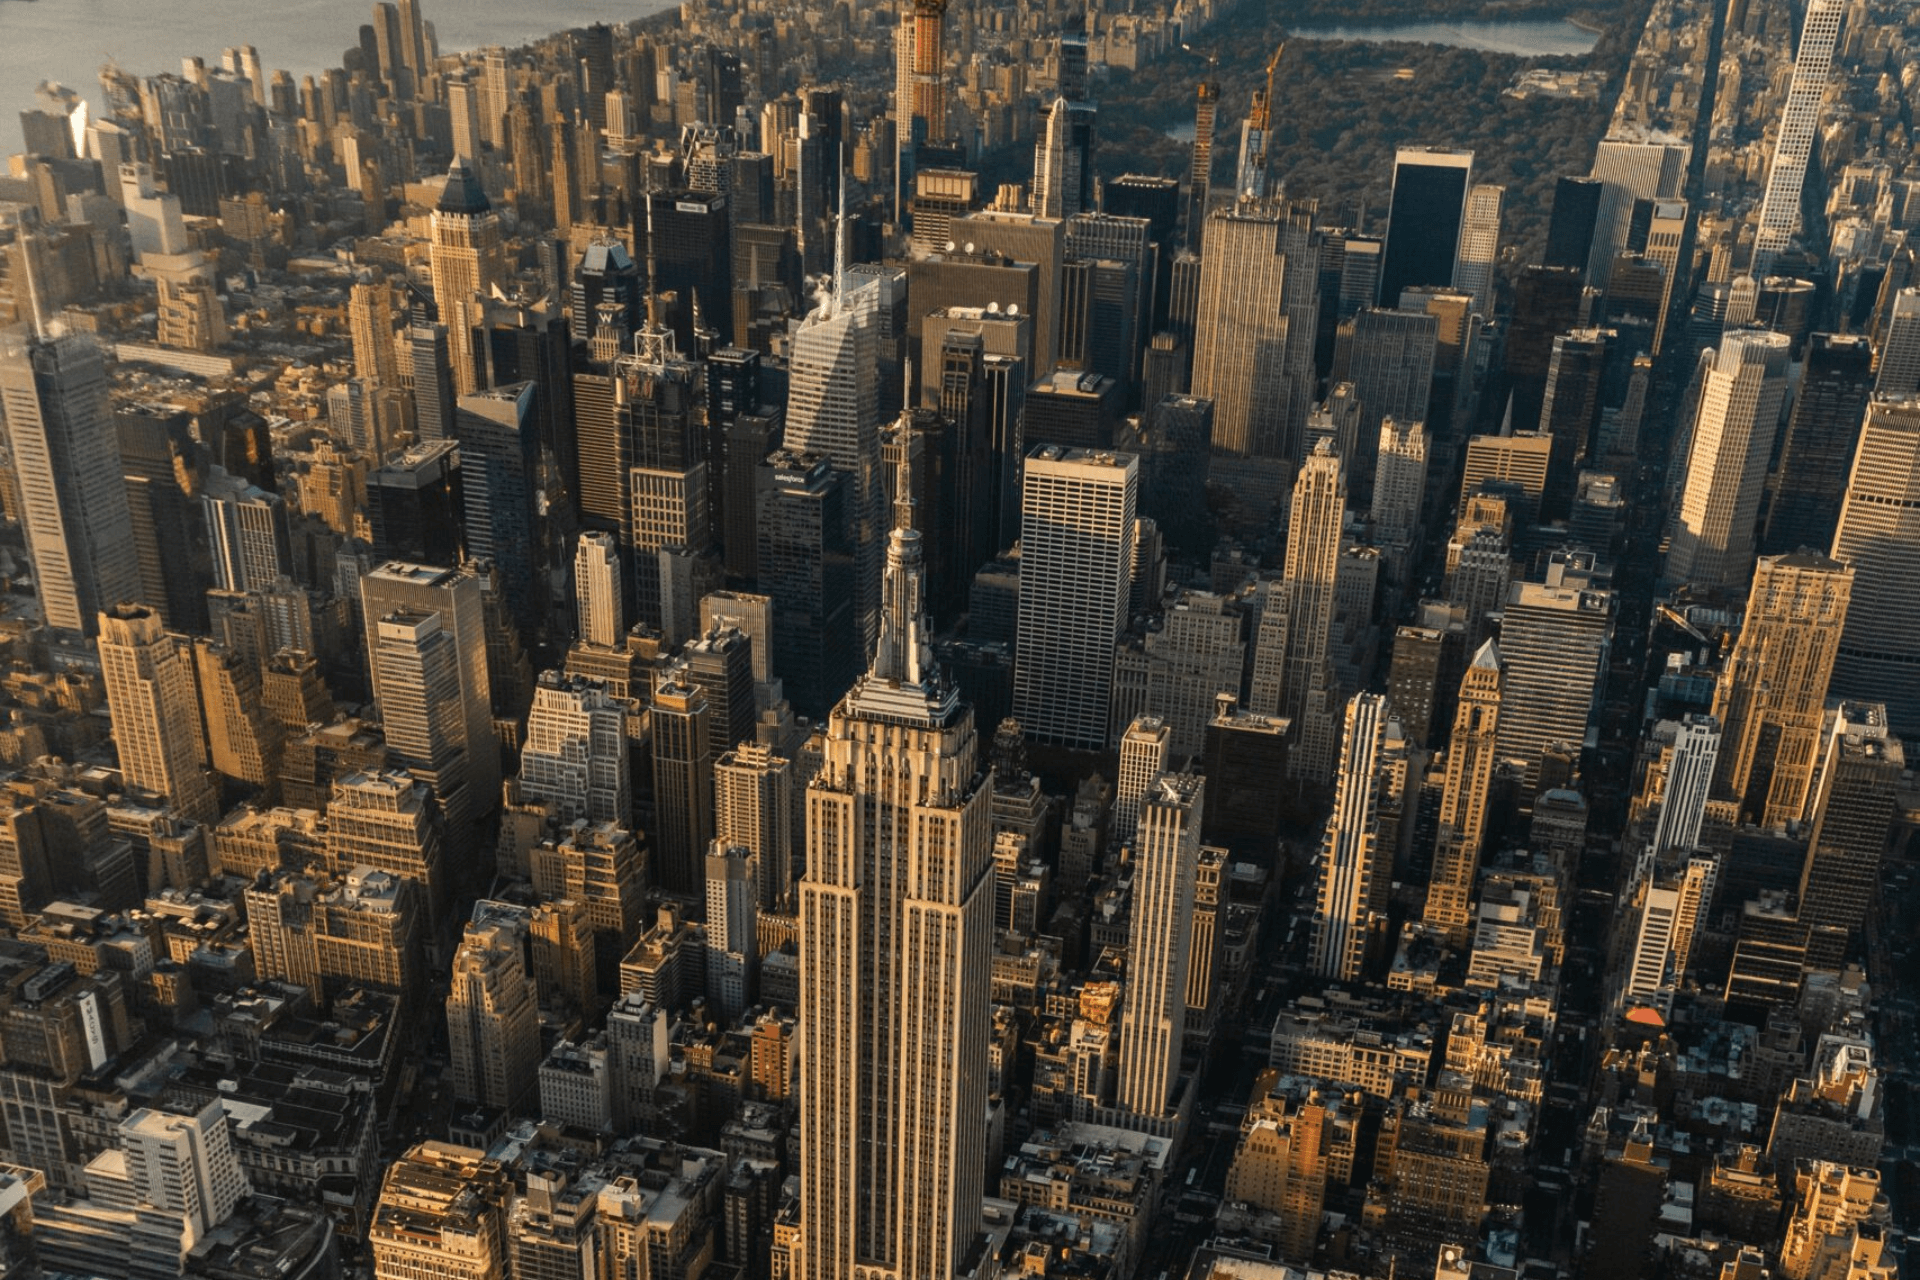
(993,308)
(1013,308)
(969,246)
(949,246)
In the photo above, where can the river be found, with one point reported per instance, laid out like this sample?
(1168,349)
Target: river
(67,40)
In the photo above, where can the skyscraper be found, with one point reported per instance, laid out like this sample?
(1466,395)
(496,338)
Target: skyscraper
(1690,770)
(1897,373)
(733,901)
(575,757)
(1732,442)
(1241,331)
(453,594)
(596,591)
(806,561)
(1424,219)
(467,260)
(1200,173)
(415,661)
(73,501)
(896,914)
(1853,812)
(1799,121)
(1650,167)
(1773,688)
(246,532)
(753,810)
(682,784)
(1553,648)
(182,1161)
(1818,453)
(1472,752)
(1153,1019)
(370,321)
(493,1017)
(1879,538)
(156,713)
(1063,161)
(1076,532)
(1309,689)
(1479,249)
(1144,756)
(1389,358)
(833,412)
(499,465)
(1576,203)
(1353,882)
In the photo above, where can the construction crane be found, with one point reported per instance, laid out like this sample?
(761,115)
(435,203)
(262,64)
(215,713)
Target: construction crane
(1256,134)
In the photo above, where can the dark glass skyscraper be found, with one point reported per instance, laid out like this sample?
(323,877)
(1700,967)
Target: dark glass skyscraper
(806,568)
(1821,432)
(1423,222)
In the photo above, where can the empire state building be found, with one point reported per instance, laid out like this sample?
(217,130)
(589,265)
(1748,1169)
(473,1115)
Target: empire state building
(896,921)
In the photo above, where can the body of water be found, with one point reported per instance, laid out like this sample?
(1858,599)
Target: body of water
(68,40)
(1526,38)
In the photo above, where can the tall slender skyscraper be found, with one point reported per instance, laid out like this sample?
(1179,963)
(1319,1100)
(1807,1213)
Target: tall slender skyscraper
(1712,542)
(1689,784)
(454,594)
(1143,757)
(499,466)
(1200,174)
(753,809)
(1879,537)
(1241,330)
(1479,250)
(833,412)
(1310,690)
(156,712)
(1853,812)
(1153,1020)
(1424,219)
(1076,558)
(1799,121)
(1773,688)
(930,69)
(896,914)
(1353,880)
(682,784)
(596,591)
(1897,372)
(415,662)
(73,500)
(467,261)
(1818,453)
(1471,754)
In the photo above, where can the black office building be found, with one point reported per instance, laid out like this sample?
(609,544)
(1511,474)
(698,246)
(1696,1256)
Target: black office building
(1423,221)
(1821,435)
(414,505)
(806,569)
(1576,210)
(688,242)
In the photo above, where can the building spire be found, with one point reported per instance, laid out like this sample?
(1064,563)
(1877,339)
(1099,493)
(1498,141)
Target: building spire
(903,655)
(840,234)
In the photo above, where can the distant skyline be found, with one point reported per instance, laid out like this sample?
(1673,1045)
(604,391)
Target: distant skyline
(68,40)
